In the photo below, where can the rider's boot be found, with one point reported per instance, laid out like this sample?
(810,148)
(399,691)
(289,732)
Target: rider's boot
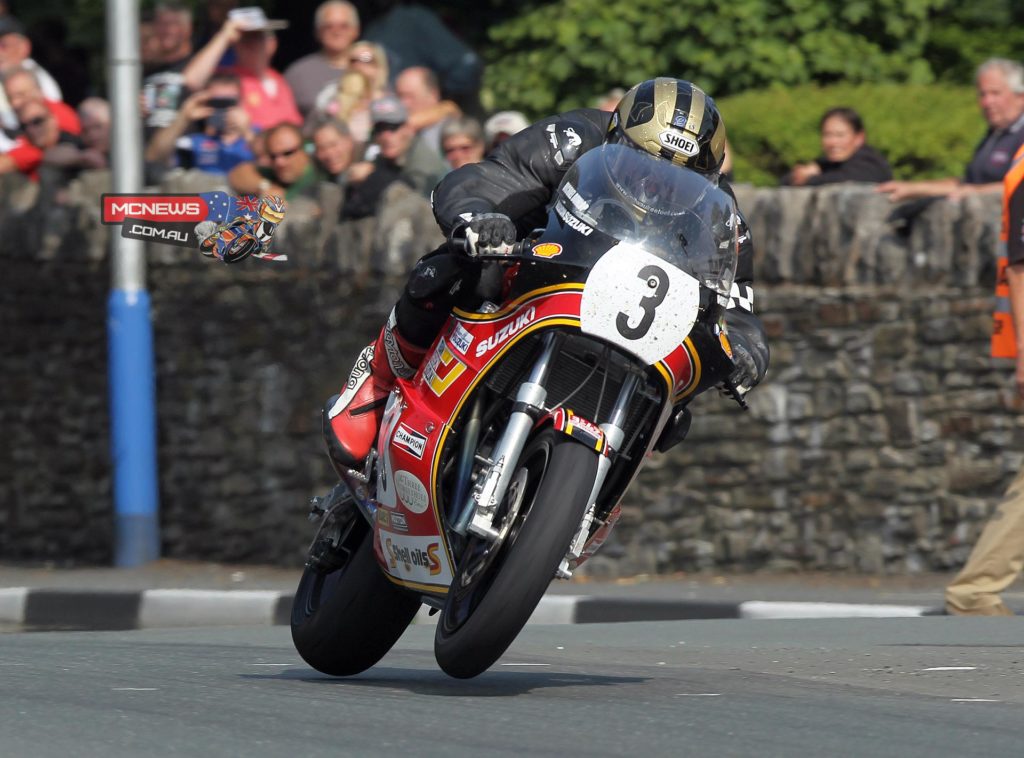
(351,419)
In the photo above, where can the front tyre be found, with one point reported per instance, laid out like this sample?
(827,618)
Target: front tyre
(346,616)
(497,587)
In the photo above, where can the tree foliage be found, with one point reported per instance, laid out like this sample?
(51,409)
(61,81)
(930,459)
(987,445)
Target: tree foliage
(967,33)
(563,54)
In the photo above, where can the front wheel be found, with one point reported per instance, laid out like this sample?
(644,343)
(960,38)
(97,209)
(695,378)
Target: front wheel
(498,586)
(346,614)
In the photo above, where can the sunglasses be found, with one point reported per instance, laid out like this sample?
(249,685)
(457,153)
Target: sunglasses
(284,153)
(363,58)
(35,122)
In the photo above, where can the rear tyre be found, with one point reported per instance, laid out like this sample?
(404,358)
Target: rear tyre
(344,619)
(497,588)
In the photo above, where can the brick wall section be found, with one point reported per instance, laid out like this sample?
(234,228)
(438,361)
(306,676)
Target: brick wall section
(880,442)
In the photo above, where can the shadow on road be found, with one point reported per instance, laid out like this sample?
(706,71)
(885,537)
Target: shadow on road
(493,683)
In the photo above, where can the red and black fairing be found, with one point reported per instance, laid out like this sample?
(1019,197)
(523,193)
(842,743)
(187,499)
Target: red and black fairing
(491,352)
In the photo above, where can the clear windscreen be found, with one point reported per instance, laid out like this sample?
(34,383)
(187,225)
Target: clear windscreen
(668,210)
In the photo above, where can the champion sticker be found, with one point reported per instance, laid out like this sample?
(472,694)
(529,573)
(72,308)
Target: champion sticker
(409,441)
(547,250)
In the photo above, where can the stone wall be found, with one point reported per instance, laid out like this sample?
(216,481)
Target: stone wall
(879,443)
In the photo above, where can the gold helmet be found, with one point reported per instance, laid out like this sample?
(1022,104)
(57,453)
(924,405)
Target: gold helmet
(671,119)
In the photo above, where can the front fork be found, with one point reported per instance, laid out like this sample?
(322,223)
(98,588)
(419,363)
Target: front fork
(615,433)
(477,516)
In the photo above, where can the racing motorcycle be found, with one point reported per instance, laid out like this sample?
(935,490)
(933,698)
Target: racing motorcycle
(501,464)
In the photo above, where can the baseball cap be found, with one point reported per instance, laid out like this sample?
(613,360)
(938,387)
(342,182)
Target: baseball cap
(388,110)
(253,19)
(504,122)
(11,25)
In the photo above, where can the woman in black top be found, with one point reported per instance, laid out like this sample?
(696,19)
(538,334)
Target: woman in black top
(846,156)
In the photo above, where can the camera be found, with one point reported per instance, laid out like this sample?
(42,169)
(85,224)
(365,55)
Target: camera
(220,105)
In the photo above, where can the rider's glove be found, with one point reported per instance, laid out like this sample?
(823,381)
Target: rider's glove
(489,234)
(744,373)
(750,354)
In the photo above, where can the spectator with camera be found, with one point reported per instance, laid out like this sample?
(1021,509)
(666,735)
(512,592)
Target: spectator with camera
(266,96)
(211,132)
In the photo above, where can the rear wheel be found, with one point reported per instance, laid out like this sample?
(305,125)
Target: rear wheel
(498,586)
(346,614)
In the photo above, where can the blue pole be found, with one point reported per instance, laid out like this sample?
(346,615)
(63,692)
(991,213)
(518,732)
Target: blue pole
(133,427)
(129,330)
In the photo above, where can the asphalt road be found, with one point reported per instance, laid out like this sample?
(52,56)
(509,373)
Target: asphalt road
(933,686)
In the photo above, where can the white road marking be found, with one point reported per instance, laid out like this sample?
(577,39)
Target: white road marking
(270,664)
(951,668)
(974,700)
(698,694)
(526,664)
(760,609)
(169,607)
(12,604)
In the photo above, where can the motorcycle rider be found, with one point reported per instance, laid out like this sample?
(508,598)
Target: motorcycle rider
(501,199)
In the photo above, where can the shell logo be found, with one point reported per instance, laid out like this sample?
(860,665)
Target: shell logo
(547,250)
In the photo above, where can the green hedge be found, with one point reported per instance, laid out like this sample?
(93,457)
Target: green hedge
(925,131)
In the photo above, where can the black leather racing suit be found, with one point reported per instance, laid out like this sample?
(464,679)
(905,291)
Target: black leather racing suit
(518,179)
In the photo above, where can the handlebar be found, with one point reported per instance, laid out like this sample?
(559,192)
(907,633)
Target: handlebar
(461,244)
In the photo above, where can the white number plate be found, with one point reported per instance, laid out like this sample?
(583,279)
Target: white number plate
(639,302)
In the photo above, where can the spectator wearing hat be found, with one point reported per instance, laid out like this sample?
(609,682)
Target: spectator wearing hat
(266,96)
(462,141)
(15,52)
(503,125)
(291,172)
(398,155)
(336,25)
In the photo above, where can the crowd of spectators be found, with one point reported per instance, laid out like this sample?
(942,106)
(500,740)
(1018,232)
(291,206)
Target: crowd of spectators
(353,112)
(361,110)
(846,156)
